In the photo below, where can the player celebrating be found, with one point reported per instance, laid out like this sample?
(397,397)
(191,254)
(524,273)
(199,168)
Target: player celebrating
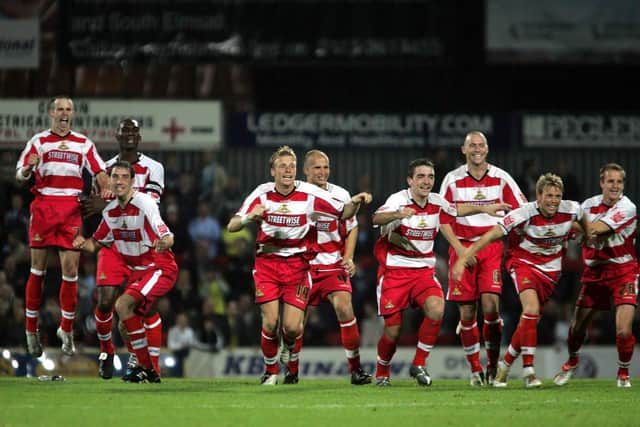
(142,258)
(285,210)
(538,234)
(410,220)
(478,182)
(611,272)
(149,178)
(56,158)
(331,269)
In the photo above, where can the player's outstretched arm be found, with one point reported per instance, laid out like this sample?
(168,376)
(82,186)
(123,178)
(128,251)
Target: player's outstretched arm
(237,222)
(87,245)
(495,209)
(494,234)
(351,208)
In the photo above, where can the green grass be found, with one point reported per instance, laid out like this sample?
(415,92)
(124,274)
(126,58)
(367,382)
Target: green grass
(227,402)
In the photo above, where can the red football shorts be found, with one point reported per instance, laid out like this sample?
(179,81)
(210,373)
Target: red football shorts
(528,277)
(398,289)
(484,277)
(55,221)
(600,285)
(149,285)
(326,282)
(111,269)
(282,278)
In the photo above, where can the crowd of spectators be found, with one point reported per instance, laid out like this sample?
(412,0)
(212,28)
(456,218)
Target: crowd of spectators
(214,292)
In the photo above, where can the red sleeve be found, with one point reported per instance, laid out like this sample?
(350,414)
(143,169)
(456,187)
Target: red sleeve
(509,197)
(101,232)
(445,218)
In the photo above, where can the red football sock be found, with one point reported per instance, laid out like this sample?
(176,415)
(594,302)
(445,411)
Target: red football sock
(492,332)
(386,350)
(350,336)
(138,340)
(68,301)
(269,345)
(153,327)
(294,361)
(104,326)
(625,353)
(427,337)
(515,347)
(529,337)
(33,298)
(470,337)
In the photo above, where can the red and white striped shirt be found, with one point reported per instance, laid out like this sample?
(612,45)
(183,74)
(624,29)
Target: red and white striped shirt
(133,229)
(62,159)
(284,228)
(496,186)
(331,233)
(410,240)
(541,241)
(149,175)
(618,248)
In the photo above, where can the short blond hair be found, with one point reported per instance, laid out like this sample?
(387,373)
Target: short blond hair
(285,150)
(314,153)
(549,179)
(612,167)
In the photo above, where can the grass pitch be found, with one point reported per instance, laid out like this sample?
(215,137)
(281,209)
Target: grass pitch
(230,402)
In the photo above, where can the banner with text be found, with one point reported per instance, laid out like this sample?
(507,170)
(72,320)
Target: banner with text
(272,129)
(581,130)
(569,31)
(444,362)
(262,30)
(165,125)
(19,43)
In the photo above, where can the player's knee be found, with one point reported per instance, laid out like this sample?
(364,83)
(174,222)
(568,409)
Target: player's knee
(125,305)
(106,302)
(344,311)
(392,332)
(623,331)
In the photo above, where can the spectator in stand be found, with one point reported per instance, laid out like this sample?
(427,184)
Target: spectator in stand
(180,339)
(205,230)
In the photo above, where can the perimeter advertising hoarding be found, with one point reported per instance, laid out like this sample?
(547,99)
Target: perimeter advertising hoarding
(19,42)
(337,130)
(586,130)
(165,125)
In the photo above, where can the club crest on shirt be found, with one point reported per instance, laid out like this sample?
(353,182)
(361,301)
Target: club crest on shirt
(479,196)
(283,209)
(124,224)
(423,223)
(549,232)
(63,146)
